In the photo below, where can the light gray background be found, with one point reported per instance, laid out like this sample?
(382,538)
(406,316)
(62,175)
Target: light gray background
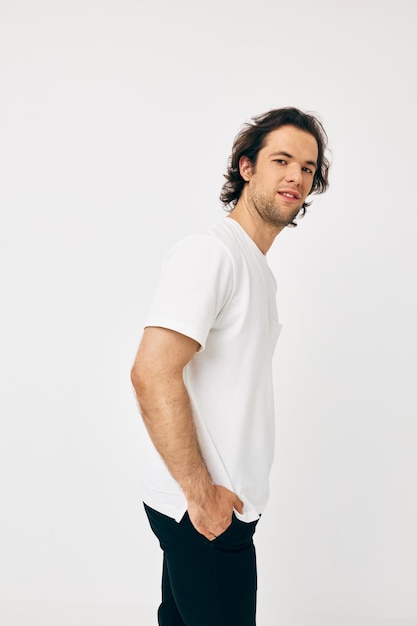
(116,121)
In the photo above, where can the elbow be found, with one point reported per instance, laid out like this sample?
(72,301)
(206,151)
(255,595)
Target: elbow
(143,379)
(141,388)
(137,378)
(145,391)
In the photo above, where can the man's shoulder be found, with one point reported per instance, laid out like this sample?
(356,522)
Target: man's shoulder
(218,229)
(222,233)
(215,236)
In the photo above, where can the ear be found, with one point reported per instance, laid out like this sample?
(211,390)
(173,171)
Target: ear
(245,168)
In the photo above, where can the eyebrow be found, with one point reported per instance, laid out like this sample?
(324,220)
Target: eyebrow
(290,156)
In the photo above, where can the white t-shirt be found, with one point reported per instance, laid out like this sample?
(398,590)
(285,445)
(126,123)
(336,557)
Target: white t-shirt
(216,287)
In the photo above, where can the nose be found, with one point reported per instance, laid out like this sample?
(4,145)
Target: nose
(293,173)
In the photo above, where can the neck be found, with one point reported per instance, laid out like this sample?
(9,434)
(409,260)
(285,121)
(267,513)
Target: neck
(263,234)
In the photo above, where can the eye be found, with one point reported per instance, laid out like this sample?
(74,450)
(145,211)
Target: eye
(280,161)
(308,170)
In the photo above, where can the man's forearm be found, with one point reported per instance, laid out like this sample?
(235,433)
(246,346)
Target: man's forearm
(157,376)
(166,410)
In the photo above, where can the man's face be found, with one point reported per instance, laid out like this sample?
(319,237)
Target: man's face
(283,175)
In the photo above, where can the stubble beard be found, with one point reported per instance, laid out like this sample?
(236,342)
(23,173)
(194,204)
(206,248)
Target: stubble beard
(270,212)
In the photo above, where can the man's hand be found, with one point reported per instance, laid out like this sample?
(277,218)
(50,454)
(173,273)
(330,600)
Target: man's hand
(213,515)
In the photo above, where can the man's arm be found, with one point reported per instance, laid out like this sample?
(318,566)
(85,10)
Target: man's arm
(166,411)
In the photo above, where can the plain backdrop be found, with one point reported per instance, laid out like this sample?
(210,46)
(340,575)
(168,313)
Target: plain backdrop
(116,121)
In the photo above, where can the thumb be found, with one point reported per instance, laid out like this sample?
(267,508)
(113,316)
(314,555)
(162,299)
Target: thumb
(238,504)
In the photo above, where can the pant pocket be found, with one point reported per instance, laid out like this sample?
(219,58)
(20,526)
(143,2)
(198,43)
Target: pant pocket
(188,524)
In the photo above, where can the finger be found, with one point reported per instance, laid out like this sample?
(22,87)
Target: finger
(207,534)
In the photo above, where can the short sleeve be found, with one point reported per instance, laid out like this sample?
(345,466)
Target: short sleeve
(196,281)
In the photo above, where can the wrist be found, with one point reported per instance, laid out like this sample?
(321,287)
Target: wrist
(197,486)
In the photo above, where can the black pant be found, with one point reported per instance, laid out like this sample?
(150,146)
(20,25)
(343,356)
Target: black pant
(206,583)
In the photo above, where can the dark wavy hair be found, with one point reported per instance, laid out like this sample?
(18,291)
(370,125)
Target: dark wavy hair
(252,138)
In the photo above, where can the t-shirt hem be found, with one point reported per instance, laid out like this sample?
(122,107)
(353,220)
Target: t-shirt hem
(175,513)
(178,513)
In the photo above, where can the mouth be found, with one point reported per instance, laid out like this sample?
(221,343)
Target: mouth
(289,195)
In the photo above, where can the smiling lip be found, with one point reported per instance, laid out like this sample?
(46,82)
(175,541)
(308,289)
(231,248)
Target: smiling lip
(289,195)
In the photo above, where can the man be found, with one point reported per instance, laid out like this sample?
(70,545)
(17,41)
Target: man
(203,376)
